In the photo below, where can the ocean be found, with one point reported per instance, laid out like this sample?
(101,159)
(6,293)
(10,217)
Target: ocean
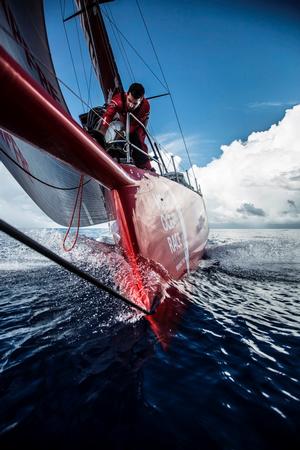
(81,370)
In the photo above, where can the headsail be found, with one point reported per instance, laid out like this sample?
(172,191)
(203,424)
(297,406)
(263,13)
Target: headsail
(100,48)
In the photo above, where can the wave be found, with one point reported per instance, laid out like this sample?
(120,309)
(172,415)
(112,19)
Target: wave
(262,257)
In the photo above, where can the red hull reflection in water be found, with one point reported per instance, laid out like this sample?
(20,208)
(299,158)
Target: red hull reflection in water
(168,315)
(130,282)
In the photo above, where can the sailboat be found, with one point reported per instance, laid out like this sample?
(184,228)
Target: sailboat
(159,217)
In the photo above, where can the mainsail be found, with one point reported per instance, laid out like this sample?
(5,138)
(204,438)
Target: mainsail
(52,184)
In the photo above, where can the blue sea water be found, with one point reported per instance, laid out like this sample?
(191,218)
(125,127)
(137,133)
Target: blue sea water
(80,370)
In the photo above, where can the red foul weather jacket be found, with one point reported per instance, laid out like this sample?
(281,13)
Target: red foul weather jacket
(118,105)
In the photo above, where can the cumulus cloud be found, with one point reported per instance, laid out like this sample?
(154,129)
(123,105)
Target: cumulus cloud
(253,181)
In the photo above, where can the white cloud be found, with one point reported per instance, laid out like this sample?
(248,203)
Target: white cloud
(170,144)
(257,105)
(257,182)
(16,207)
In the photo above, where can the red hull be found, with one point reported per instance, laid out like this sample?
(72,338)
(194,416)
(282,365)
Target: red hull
(167,221)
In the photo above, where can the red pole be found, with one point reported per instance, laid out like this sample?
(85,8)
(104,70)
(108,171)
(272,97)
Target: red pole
(28,111)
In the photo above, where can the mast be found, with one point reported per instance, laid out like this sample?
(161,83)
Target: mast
(99,47)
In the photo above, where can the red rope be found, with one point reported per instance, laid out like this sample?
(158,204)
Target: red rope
(79,195)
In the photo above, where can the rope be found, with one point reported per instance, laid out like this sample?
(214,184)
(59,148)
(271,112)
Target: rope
(135,51)
(70,51)
(80,49)
(89,85)
(79,195)
(36,246)
(121,46)
(108,53)
(64,8)
(38,179)
(171,97)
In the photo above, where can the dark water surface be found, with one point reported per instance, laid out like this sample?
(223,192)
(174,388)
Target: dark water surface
(80,370)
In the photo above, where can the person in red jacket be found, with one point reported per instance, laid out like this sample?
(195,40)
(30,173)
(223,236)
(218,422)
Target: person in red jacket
(135,102)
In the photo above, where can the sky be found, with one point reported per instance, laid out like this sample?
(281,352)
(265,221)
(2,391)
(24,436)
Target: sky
(233,68)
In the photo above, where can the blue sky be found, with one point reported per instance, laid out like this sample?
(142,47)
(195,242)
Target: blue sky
(233,66)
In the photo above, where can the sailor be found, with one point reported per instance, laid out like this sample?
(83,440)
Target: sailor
(132,101)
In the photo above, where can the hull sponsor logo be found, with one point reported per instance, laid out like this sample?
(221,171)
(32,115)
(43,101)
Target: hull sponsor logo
(174,242)
(170,219)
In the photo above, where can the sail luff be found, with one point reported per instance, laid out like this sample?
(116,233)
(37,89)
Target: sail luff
(100,49)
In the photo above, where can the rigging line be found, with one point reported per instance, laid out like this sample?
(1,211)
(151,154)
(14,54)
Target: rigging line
(79,98)
(71,55)
(36,246)
(151,129)
(64,8)
(121,47)
(90,83)
(38,179)
(118,44)
(108,53)
(136,52)
(166,155)
(171,97)
(127,59)
(80,49)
